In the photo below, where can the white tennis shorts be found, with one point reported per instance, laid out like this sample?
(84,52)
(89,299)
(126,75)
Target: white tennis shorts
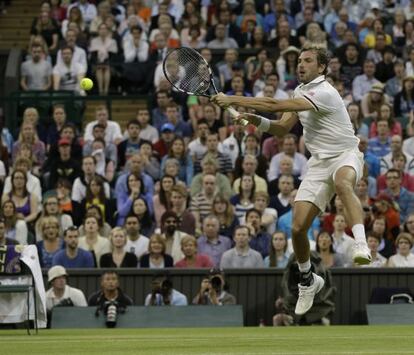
(318,185)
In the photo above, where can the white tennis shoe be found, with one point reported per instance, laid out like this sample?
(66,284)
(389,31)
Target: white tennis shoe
(361,254)
(307,294)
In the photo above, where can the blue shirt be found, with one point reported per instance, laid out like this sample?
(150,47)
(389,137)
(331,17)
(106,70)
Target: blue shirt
(213,250)
(177,299)
(284,224)
(281,264)
(377,148)
(261,243)
(373,163)
(121,188)
(406,202)
(83,259)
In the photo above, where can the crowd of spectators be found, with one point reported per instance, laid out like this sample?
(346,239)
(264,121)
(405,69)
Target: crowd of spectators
(182,186)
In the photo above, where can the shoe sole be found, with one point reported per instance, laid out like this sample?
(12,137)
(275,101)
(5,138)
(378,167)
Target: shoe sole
(361,260)
(322,284)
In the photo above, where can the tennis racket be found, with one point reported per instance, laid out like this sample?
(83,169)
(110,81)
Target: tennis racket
(189,72)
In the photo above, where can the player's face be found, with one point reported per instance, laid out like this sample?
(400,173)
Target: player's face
(308,67)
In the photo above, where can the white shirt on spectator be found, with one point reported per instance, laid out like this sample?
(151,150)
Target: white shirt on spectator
(69,75)
(112,131)
(131,52)
(138,247)
(79,190)
(300,166)
(37,74)
(32,185)
(79,56)
(344,245)
(361,85)
(77,297)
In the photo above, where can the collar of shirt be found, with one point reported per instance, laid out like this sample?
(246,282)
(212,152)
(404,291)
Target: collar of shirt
(315,81)
(246,253)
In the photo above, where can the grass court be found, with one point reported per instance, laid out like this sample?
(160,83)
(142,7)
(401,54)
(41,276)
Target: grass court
(268,340)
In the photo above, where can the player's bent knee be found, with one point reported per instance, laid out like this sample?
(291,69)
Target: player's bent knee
(298,229)
(343,187)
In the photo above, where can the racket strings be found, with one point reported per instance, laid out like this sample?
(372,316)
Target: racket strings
(187,71)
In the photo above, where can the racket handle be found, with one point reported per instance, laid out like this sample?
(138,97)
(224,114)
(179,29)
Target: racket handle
(234,114)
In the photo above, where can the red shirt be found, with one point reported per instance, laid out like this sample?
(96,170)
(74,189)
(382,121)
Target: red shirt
(201,261)
(407,182)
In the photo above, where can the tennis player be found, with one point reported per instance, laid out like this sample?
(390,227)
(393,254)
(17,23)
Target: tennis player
(335,166)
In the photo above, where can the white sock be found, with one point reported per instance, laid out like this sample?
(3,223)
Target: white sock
(305,267)
(358,231)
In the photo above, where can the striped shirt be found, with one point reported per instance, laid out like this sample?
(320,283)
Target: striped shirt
(224,161)
(202,205)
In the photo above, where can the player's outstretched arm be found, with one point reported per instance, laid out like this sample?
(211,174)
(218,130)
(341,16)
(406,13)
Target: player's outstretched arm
(264,104)
(275,127)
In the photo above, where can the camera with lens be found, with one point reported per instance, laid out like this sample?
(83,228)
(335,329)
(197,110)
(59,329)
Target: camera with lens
(111,313)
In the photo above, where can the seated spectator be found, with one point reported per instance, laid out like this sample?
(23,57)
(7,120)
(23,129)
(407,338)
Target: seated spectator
(137,243)
(162,199)
(281,202)
(26,203)
(4,241)
(15,225)
(150,163)
(384,206)
(131,145)
(211,243)
(398,163)
(104,11)
(374,242)
(36,73)
(135,48)
(380,145)
(386,114)
(63,191)
(110,292)
(371,102)
(68,74)
(56,126)
(173,236)
(68,132)
(192,259)
(28,135)
(64,166)
(214,290)
(156,258)
(79,54)
(92,241)
(394,85)
(362,83)
(325,249)
(118,258)
(210,166)
(195,37)
(104,227)
(403,101)
(396,146)
(51,208)
(243,201)
(222,41)
(102,49)
(74,15)
(361,190)
(72,256)
(48,28)
(278,253)
(259,239)
(163,145)
(179,152)
(224,211)
(249,167)
(88,10)
(163,294)
(166,28)
(51,243)
(355,114)
(285,169)
(147,132)
(112,130)
(379,230)
(141,209)
(404,257)
(172,168)
(179,205)
(95,196)
(60,294)
(241,256)
(288,148)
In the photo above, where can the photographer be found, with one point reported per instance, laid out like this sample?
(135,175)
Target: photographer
(163,294)
(110,293)
(60,294)
(213,290)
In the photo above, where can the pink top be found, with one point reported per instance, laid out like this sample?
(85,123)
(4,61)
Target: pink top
(395,129)
(201,261)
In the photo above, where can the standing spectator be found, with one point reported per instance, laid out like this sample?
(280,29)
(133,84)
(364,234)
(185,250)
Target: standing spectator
(156,257)
(68,74)
(92,241)
(112,129)
(211,243)
(118,257)
(241,256)
(191,257)
(36,72)
(278,253)
(137,243)
(51,243)
(404,257)
(60,292)
(72,256)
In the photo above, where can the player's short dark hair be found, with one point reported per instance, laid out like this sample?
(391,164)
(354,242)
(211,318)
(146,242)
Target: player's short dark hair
(322,55)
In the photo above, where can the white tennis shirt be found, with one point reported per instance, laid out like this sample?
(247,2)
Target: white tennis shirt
(327,129)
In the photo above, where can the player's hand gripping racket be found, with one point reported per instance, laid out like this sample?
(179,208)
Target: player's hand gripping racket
(189,72)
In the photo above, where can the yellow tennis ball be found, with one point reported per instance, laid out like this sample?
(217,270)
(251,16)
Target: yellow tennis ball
(86,84)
